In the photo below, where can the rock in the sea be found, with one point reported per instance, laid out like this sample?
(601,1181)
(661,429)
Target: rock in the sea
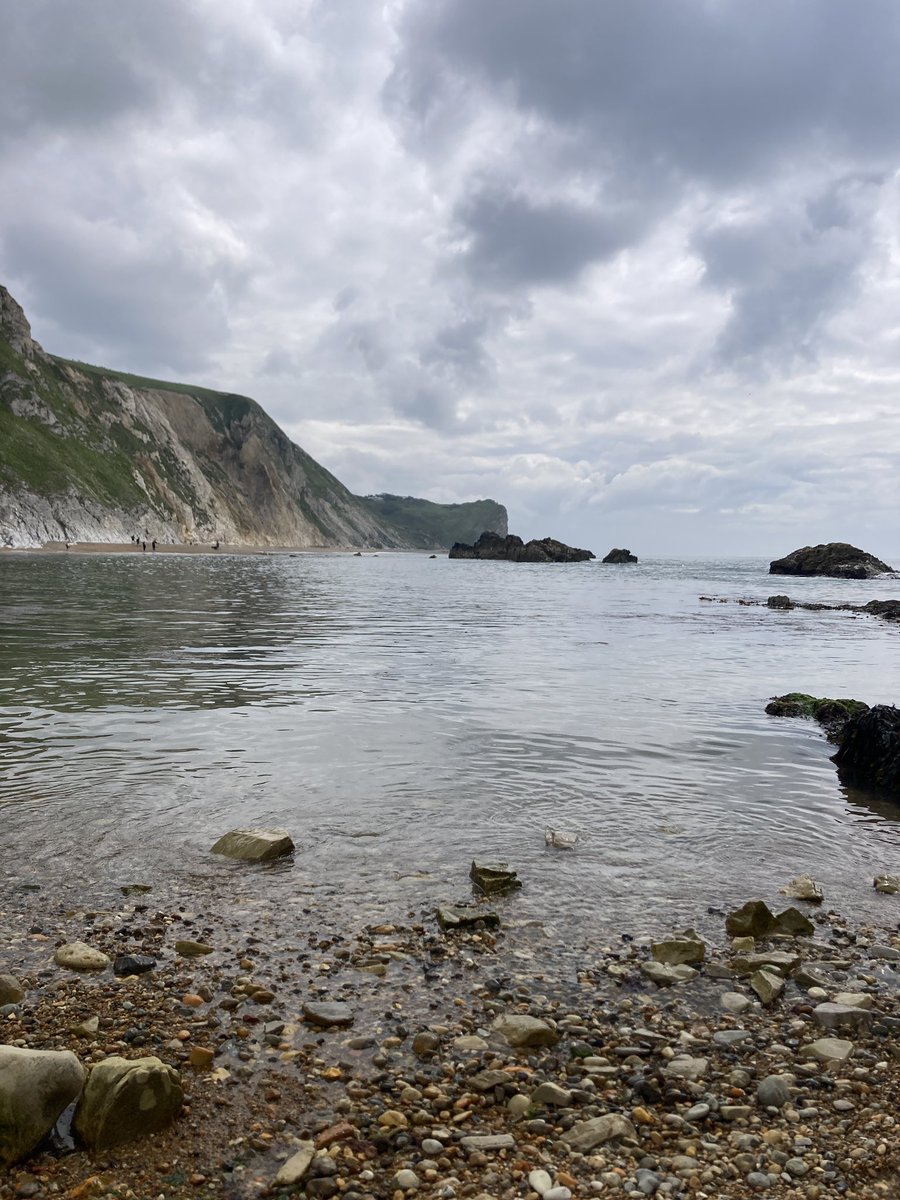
(254,845)
(869,752)
(685,947)
(803,887)
(463,916)
(832,714)
(125,1099)
(784,602)
(754,919)
(35,1087)
(559,840)
(792,922)
(620,556)
(11,991)
(838,559)
(493,878)
(611,1127)
(525,1031)
(888,885)
(78,956)
(513,549)
(328,1014)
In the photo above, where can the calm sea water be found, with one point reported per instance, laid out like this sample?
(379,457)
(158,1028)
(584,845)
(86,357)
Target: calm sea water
(400,714)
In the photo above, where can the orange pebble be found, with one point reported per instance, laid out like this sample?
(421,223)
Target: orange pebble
(192,1000)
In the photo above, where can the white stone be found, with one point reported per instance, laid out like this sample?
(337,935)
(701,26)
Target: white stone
(296,1166)
(803,888)
(540,1182)
(78,956)
(35,1087)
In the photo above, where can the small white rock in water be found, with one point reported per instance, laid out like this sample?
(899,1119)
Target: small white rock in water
(254,845)
(559,840)
(803,887)
(888,885)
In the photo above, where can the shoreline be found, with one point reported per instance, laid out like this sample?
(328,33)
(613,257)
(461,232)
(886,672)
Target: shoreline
(129,548)
(622,1085)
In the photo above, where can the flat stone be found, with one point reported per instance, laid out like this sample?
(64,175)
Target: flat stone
(767,985)
(486,1081)
(773,1091)
(297,1165)
(754,919)
(803,887)
(888,885)
(488,1141)
(133,964)
(855,999)
(828,1050)
(731,1037)
(836,1017)
(470,1042)
(11,991)
(782,961)
(189,949)
(611,1127)
(525,1031)
(735,1002)
(683,1066)
(697,1112)
(493,878)
(734,1112)
(328,1014)
(462,916)
(552,1095)
(127,1099)
(254,845)
(665,976)
(201,1057)
(35,1087)
(885,953)
(78,956)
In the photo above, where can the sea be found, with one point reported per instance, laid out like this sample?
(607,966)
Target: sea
(402,714)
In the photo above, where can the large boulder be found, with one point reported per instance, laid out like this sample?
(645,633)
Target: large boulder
(35,1087)
(869,753)
(254,845)
(125,1099)
(838,559)
(620,556)
(513,549)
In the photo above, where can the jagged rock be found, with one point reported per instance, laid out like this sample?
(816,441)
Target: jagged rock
(11,991)
(525,1031)
(611,1127)
(493,878)
(292,1171)
(781,961)
(784,602)
(837,1017)
(792,922)
(828,1050)
(35,1087)
(513,549)
(486,1081)
(686,947)
(125,1099)
(620,556)
(767,985)
(78,956)
(837,559)
(888,885)
(254,845)
(461,916)
(869,752)
(832,714)
(665,976)
(754,919)
(803,887)
(551,1095)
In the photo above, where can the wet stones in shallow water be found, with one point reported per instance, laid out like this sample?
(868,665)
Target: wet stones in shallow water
(296,1166)
(328,1015)
(792,922)
(127,1099)
(803,887)
(493,878)
(254,845)
(462,916)
(525,1031)
(783,602)
(888,885)
(133,964)
(35,1087)
(754,919)
(11,991)
(665,976)
(870,748)
(189,949)
(686,947)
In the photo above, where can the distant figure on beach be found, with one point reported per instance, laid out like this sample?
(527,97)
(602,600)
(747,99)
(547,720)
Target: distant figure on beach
(144,547)
(153,544)
(215,544)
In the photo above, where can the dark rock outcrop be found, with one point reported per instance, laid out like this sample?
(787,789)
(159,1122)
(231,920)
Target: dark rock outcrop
(620,556)
(869,753)
(513,549)
(832,715)
(837,559)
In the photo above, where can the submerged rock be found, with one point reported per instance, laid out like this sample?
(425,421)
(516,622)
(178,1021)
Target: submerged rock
(686,947)
(870,748)
(254,845)
(127,1099)
(888,885)
(493,878)
(620,556)
(513,549)
(831,714)
(35,1087)
(559,840)
(329,1014)
(803,887)
(462,916)
(837,559)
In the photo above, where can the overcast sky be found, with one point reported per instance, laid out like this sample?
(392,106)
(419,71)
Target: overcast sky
(629,267)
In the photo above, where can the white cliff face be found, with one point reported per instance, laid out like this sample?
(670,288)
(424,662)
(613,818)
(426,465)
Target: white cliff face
(90,457)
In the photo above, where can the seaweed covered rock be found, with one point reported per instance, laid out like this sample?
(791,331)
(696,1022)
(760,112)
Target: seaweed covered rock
(513,549)
(869,753)
(620,556)
(837,559)
(832,715)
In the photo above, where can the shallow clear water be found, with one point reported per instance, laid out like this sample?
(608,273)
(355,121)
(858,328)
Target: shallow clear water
(400,714)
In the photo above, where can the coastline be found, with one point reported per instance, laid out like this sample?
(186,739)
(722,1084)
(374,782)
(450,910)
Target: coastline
(93,548)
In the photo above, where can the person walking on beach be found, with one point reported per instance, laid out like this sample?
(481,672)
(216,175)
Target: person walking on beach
(144,547)
(153,544)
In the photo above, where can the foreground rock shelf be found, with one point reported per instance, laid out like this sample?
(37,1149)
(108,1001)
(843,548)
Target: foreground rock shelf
(400,1060)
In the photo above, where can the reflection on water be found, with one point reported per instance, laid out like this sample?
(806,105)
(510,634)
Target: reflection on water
(400,714)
